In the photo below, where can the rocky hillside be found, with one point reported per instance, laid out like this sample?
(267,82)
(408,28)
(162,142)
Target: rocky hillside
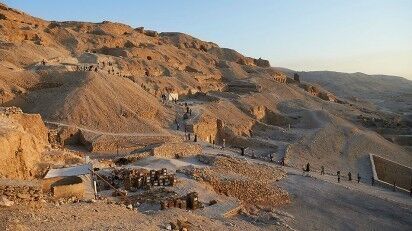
(108,78)
(392,93)
(23,137)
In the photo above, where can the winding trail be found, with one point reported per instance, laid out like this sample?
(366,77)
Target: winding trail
(133,134)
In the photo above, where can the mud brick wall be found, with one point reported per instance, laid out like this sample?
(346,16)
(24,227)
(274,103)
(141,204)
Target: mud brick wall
(182,149)
(208,129)
(391,172)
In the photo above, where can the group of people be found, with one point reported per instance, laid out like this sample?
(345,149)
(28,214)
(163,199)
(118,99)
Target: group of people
(349,175)
(163,98)
(306,168)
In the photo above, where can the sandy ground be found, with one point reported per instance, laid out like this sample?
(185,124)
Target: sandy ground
(102,216)
(320,205)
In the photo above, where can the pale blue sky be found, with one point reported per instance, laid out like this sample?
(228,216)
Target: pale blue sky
(371,36)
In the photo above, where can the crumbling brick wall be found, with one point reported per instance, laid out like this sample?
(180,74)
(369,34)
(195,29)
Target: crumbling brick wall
(252,192)
(208,129)
(21,193)
(181,149)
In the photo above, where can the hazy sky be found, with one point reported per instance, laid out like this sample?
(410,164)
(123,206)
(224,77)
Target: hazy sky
(371,36)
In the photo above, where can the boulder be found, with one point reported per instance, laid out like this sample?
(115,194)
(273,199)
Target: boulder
(262,62)
(151,33)
(4,202)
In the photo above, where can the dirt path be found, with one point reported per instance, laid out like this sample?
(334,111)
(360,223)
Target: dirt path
(347,205)
(321,205)
(108,133)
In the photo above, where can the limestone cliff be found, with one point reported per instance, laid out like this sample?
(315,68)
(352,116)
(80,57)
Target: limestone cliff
(23,138)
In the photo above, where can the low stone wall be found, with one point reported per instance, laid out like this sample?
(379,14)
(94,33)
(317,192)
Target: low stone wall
(68,187)
(21,193)
(106,143)
(172,149)
(387,172)
(252,192)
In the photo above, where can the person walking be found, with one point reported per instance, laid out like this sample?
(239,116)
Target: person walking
(338,173)
(350,176)
(322,170)
(359,177)
(372,180)
(307,167)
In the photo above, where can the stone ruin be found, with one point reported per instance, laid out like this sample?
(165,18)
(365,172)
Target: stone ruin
(279,77)
(190,201)
(181,149)
(133,179)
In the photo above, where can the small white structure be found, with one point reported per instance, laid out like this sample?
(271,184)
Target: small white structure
(172,96)
(71,181)
(79,170)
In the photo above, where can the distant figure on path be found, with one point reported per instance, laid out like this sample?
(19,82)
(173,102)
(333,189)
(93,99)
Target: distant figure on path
(372,180)
(242,151)
(195,140)
(350,176)
(307,167)
(394,186)
(224,143)
(359,177)
(190,111)
(338,173)
(188,136)
(322,170)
